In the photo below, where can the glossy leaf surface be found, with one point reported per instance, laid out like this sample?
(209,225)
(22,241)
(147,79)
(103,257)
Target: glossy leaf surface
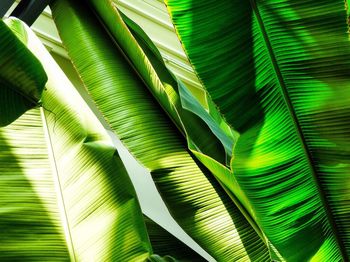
(22,78)
(67,195)
(195,199)
(279,72)
(208,135)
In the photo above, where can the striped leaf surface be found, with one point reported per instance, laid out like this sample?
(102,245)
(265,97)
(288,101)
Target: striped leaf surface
(208,136)
(65,195)
(279,72)
(165,244)
(194,198)
(22,78)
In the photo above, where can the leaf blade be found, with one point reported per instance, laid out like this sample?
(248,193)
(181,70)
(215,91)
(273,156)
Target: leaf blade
(22,77)
(152,138)
(98,203)
(283,70)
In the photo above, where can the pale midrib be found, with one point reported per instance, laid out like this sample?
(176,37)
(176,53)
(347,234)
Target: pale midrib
(58,187)
(298,128)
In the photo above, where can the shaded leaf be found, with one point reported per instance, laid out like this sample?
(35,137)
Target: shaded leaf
(85,205)
(195,199)
(22,78)
(165,244)
(279,72)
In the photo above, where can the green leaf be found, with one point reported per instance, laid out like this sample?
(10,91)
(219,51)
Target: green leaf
(197,122)
(279,72)
(65,193)
(165,244)
(203,126)
(164,86)
(22,78)
(156,258)
(205,129)
(195,199)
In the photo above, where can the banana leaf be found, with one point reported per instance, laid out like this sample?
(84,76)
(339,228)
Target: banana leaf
(22,78)
(168,91)
(279,72)
(194,198)
(165,244)
(208,136)
(157,258)
(65,193)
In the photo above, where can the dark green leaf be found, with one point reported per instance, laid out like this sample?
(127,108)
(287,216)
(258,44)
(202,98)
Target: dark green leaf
(165,244)
(22,78)
(279,72)
(195,199)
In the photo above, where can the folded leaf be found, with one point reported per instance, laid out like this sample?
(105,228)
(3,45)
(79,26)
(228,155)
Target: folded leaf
(22,78)
(65,193)
(195,199)
(203,128)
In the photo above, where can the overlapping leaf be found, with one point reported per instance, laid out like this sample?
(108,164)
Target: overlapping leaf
(168,91)
(64,191)
(195,199)
(279,72)
(208,136)
(165,244)
(22,78)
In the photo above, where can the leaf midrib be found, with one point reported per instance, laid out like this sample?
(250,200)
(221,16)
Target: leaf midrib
(61,202)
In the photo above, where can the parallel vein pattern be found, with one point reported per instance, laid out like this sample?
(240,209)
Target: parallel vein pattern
(22,78)
(99,217)
(281,58)
(194,198)
(28,230)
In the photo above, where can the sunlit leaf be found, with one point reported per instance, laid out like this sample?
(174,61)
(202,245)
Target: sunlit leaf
(194,197)
(64,191)
(279,72)
(207,134)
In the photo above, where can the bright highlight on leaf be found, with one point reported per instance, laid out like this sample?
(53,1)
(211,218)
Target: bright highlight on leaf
(259,173)
(67,195)
(121,92)
(279,72)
